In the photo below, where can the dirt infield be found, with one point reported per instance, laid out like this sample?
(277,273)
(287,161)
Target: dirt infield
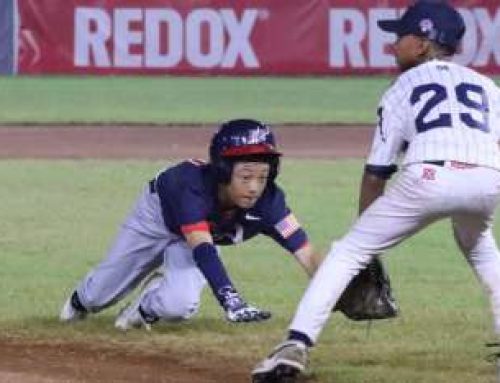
(30,361)
(44,362)
(156,142)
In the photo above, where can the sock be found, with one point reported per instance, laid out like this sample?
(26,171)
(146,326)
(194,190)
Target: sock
(148,318)
(301,337)
(77,303)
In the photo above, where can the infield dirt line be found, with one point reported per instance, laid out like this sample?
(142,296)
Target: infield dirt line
(170,142)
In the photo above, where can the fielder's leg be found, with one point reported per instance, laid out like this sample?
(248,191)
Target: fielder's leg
(472,227)
(398,214)
(475,239)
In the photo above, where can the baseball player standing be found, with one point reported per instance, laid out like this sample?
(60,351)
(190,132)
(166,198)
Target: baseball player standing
(445,119)
(179,219)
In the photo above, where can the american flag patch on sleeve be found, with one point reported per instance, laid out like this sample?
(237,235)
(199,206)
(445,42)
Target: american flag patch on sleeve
(287,226)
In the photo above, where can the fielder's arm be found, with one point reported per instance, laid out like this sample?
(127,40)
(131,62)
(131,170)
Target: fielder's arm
(372,187)
(369,295)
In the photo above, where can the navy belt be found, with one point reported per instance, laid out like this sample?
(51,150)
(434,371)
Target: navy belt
(152,186)
(452,164)
(437,163)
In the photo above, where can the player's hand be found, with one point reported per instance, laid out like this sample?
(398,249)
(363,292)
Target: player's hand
(247,314)
(237,310)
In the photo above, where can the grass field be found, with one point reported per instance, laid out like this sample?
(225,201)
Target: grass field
(58,217)
(165,99)
(187,100)
(59,222)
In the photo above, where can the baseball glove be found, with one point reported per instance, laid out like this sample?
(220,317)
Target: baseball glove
(369,295)
(494,356)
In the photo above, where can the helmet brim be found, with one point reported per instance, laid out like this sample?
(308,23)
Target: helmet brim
(251,150)
(393,26)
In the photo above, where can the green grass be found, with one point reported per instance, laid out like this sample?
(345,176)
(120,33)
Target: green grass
(164,99)
(58,218)
(187,100)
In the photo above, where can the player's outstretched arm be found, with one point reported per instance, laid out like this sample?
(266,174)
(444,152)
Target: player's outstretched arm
(308,258)
(207,259)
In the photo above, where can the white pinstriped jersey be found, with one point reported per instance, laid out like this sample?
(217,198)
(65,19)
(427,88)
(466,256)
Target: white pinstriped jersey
(439,111)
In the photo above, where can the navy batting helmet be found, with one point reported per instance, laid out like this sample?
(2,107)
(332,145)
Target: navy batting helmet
(435,20)
(243,140)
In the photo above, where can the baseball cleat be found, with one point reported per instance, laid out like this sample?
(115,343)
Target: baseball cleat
(71,314)
(131,316)
(287,361)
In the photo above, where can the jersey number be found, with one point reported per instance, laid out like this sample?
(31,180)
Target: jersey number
(438,94)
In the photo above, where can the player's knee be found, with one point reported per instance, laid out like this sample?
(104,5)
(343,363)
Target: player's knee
(178,308)
(93,303)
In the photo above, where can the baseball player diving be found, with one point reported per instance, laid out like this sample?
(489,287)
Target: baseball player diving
(180,219)
(178,222)
(443,119)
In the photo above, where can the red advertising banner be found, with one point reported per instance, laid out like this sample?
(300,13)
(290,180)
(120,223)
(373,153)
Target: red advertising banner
(229,37)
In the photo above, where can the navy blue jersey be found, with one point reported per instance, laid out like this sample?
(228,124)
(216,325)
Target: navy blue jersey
(188,196)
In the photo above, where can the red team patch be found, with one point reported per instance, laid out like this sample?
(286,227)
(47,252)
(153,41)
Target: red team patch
(198,226)
(429,174)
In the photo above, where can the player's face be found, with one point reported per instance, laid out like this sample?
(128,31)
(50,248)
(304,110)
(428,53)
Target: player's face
(248,181)
(408,51)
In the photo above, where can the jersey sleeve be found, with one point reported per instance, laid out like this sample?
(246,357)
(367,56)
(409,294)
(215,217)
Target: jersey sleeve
(184,200)
(388,139)
(283,226)
(192,210)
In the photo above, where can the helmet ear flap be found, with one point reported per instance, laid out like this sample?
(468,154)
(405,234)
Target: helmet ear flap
(274,168)
(220,167)
(223,170)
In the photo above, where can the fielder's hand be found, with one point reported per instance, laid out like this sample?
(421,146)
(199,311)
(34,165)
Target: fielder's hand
(237,310)
(369,295)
